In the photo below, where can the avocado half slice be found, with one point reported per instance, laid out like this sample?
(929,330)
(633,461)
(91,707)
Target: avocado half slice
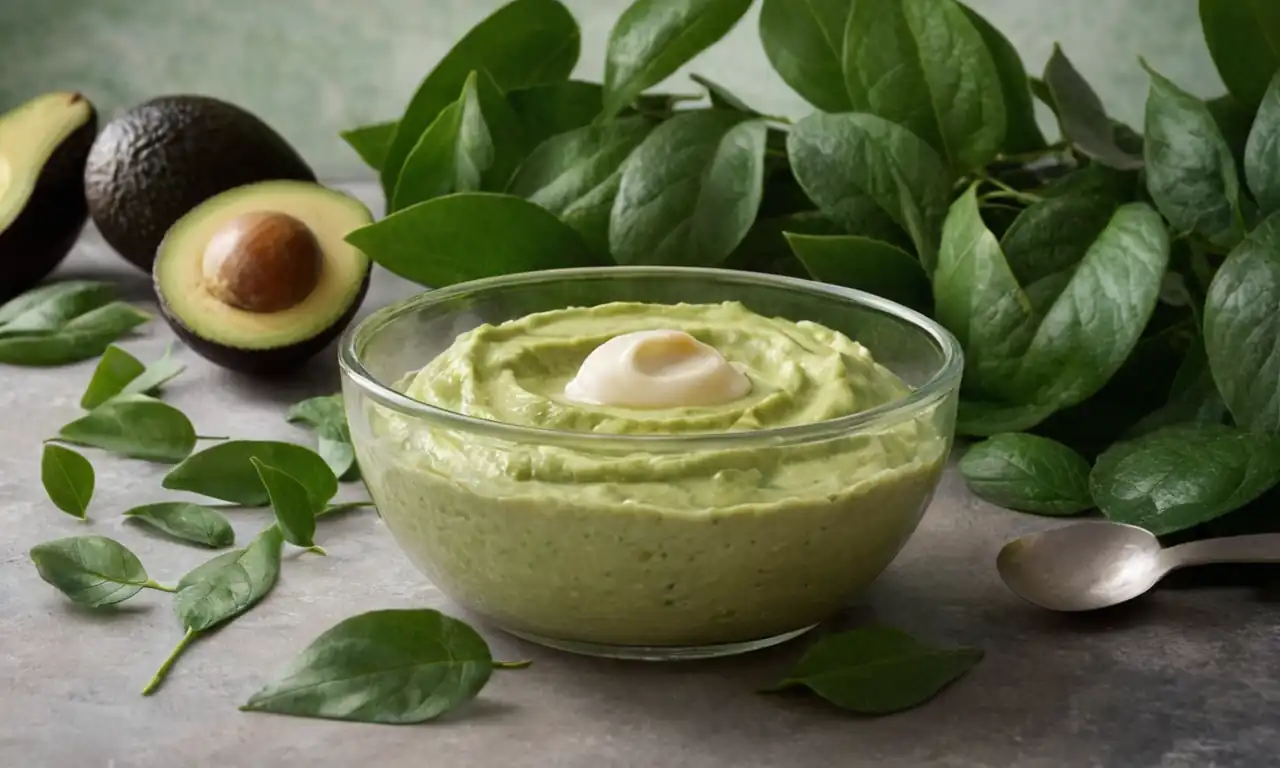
(259,278)
(165,156)
(43,146)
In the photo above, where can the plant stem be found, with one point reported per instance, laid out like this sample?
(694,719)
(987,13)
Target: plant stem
(163,671)
(317,549)
(153,584)
(1010,192)
(1036,154)
(212,437)
(512,664)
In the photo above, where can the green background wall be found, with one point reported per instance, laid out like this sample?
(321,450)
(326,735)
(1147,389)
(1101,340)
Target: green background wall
(314,67)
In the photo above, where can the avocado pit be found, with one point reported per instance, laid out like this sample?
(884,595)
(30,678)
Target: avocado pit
(264,261)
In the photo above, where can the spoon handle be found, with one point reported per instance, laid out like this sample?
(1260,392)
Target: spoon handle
(1254,548)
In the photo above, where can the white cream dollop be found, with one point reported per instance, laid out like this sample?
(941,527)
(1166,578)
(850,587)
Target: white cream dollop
(656,369)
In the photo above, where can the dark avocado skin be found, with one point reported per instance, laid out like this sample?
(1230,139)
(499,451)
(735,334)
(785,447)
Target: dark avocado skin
(166,156)
(263,362)
(50,223)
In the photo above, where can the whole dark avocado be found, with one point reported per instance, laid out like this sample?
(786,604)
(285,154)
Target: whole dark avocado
(260,278)
(43,146)
(164,157)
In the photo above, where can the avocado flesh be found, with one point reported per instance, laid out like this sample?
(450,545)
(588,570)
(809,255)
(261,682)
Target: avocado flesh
(162,158)
(256,341)
(43,146)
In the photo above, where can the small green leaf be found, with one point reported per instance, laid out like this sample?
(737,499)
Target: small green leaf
(48,293)
(804,41)
(317,412)
(116,368)
(68,479)
(219,594)
(923,65)
(847,162)
(1191,174)
(452,154)
(865,264)
(523,43)
(1081,116)
(79,339)
(878,670)
(224,471)
(452,239)
(186,521)
(334,446)
(389,666)
(371,142)
(690,191)
(48,309)
(1262,152)
(136,426)
(1242,329)
(575,175)
(91,570)
(1180,477)
(1028,473)
(654,38)
(1022,132)
(208,568)
(1244,41)
(542,111)
(155,376)
(295,508)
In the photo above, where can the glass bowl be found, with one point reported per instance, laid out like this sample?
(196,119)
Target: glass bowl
(603,565)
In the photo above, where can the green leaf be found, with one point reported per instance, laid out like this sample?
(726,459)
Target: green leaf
(1262,152)
(1193,396)
(371,142)
(91,570)
(690,191)
(68,479)
(220,594)
(136,426)
(116,368)
(453,239)
(186,521)
(849,162)
(334,446)
(1191,174)
(450,156)
(1028,473)
(722,98)
(389,666)
(209,568)
(155,376)
(1244,40)
(1242,329)
(318,412)
(923,65)
(327,416)
(575,175)
(1081,116)
(523,43)
(542,111)
(83,337)
(1054,234)
(653,38)
(804,41)
(295,508)
(865,264)
(878,670)
(1022,132)
(224,471)
(977,418)
(1180,477)
(48,309)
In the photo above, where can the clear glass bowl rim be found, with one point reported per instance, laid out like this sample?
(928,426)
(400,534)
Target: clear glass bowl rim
(942,384)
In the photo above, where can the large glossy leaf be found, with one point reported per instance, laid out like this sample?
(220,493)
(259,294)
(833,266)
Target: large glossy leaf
(1022,132)
(1183,476)
(1054,234)
(653,38)
(804,40)
(1244,41)
(470,235)
(1191,174)
(1242,329)
(523,43)
(690,191)
(1262,152)
(868,265)
(575,175)
(849,162)
(137,426)
(1028,473)
(923,64)
(225,471)
(450,156)
(1081,116)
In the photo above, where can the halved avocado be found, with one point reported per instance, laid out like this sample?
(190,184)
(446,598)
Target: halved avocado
(259,278)
(43,146)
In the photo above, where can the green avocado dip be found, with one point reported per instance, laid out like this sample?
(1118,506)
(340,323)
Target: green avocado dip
(591,540)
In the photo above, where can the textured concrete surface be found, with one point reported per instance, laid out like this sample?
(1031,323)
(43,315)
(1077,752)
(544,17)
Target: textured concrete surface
(314,67)
(1184,679)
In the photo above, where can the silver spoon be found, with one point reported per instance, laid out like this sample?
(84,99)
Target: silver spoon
(1097,564)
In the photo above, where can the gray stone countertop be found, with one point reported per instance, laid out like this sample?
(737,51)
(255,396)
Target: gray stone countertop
(1187,677)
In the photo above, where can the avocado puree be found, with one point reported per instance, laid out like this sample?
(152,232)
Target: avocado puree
(624,546)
